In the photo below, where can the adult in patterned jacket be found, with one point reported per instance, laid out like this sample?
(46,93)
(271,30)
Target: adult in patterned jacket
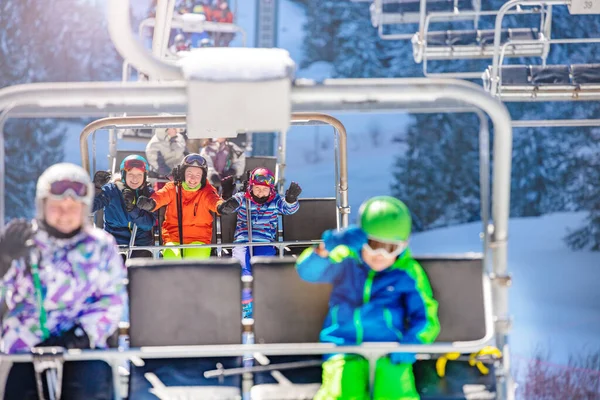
(264,204)
(63,283)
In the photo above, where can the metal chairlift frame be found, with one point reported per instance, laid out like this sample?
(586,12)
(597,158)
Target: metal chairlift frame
(102,98)
(379,18)
(298,119)
(179,121)
(520,48)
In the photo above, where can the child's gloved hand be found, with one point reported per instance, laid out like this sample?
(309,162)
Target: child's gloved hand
(403,358)
(228,207)
(353,237)
(291,195)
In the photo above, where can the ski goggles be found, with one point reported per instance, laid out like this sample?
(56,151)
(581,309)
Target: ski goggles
(265,180)
(131,164)
(194,160)
(68,188)
(384,249)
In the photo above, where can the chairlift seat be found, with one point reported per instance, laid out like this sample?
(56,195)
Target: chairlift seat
(550,75)
(546,83)
(475,44)
(290,310)
(315,216)
(461,38)
(184,303)
(516,75)
(586,74)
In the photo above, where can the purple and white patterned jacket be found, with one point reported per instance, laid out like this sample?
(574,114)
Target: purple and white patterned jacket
(83,281)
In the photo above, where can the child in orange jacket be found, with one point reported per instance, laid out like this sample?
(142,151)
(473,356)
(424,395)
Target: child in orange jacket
(199,198)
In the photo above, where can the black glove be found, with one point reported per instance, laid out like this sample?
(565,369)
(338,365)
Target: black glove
(291,195)
(15,242)
(227,187)
(215,180)
(101,178)
(74,338)
(228,207)
(146,203)
(177,174)
(129,198)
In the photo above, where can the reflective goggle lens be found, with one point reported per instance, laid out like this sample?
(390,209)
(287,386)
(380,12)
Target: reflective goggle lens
(60,188)
(264,180)
(139,164)
(194,160)
(386,249)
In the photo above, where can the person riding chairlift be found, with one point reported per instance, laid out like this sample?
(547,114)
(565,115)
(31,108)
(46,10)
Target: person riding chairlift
(261,205)
(198,199)
(63,284)
(119,202)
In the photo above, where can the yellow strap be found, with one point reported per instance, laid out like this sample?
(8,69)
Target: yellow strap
(486,351)
(440,365)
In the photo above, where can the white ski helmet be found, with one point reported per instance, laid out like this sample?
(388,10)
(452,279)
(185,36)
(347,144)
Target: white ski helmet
(64,172)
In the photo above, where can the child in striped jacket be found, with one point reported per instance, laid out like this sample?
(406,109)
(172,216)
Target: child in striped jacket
(264,204)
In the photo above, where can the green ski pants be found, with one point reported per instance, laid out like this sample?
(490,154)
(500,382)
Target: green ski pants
(346,377)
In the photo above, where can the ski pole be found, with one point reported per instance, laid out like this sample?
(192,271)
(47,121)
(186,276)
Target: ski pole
(262,368)
(132,240)
(178,196)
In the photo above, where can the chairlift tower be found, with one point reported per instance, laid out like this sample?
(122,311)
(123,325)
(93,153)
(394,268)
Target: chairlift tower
(266,36)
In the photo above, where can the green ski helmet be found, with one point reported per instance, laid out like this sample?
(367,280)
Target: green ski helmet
(385,219)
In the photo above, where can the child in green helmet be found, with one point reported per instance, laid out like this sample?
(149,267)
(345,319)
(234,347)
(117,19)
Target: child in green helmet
(380,294)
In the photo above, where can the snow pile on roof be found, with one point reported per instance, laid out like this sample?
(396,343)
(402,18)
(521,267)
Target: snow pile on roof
(238,65)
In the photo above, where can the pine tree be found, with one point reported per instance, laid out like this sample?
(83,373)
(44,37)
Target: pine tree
(437,176)
(52,41)
(323,19)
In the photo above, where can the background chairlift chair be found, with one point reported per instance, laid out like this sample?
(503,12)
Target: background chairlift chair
(399,13)
(451,45)
(546,83)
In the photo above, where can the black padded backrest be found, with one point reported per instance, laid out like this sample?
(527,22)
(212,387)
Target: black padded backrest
(550,75)
(486,36)
(437,39)
(314,217)
(228,224)
(195,302)
(586,74)
(457,285)
(462,38)
(121,154)
(515,75)
(262,161)
(286,309)
(523,33)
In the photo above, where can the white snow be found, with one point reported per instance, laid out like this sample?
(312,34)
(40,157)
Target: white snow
(237,64)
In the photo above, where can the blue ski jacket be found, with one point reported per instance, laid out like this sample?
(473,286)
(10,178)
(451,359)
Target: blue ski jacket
(393,305)
(118,222)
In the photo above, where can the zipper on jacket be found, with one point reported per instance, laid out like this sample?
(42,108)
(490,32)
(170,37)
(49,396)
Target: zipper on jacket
(358,326)
(368,286)
(389,321)
(195,208)
(366,298)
